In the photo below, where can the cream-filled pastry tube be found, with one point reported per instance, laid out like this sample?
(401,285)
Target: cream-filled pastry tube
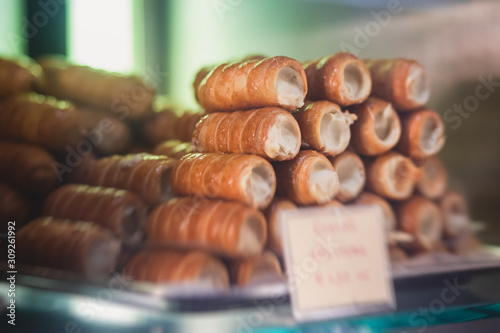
(178,267)
(274,231)
(120,211)
(27,167)
(41,120)
(173,148)
(126,96)
(324,127)
(434,178)
(246,178)
(17,76)
(146,175)
(403,82)
(422,134)
(422,219)
(455,213)
(264,268)
(352,177)
(77,246)
(277,81)
(377,129)
(228,228)
(272,133)
(308,179)
(341,78)
(392,176)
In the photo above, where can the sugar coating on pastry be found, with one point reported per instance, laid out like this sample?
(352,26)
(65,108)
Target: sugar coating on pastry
(323,181)
(417,86)
(290,87)
(100,258)
(385,125)
(432,136)
(351,176)
(335,132)
(357,81)
(283,139)
(251,236)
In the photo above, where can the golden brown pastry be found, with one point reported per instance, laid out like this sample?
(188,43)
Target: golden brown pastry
(274,234)
(13,207)
(108,134)
(262,269)
(377,129)
(308,179)
(403,82)
(455,213)
(173,148)
(422,219)
(276,81)
(422,134)
(269,132)
(246,178)
(120,211)
(228,228)
(30,168)
(17,75)
(351,172)
(126,96)
(77,170)
(146,175)
(392,176)
(324,127)
(169,123)
(171,266)
(41,120)
(77,246)
(434,178)
(341,78)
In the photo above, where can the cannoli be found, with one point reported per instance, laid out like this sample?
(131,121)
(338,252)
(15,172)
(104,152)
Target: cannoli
(377,129)
(434,178)
(269,132)
(324,127)
(77,246)
(30,168)
(126,96)
(422,134)
(228,228)
(262,269)
(403,82)
(43,121)
(246,178)
(422,219)
(120,211)
(274,234)
(341,78)
(455,213)
(173,148)
(276,81)
(392,176)
(146,175)
(171,266)
(308,179)
(17,76)
(13,207)
(351,172)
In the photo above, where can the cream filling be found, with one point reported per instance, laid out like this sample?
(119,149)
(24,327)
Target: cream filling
(432,136)
(417,86)
(290,87)
(323,182)
(357,82)
(131,226)
(101,257)
(260,185)
(283,139)
(251,236)
(351,177)
(215,276)
(429,231)
(334,132)
(457,222)
(385,125)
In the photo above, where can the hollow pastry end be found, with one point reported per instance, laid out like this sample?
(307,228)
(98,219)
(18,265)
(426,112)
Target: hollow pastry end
(261,185)
(357,82)
(101,257)
(335,132)
(323,181)
(351,174)
(290,87)
(417,86)
(283,139)
(252,235)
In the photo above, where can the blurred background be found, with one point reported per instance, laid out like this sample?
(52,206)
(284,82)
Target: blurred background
(458,42)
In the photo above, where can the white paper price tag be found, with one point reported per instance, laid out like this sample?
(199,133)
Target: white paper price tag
(337,261)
